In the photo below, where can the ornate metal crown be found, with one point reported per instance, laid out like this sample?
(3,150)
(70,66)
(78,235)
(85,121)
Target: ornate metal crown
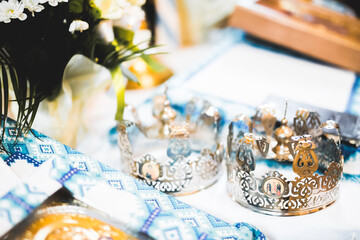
(180,153)
(310,147)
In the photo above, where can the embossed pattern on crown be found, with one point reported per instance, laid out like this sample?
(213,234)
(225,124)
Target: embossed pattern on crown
(179,152)
(306,180)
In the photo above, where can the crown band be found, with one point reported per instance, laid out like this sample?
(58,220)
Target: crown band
(176,158)
(271,192)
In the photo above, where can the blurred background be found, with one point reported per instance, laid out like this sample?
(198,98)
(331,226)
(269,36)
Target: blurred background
(325,32)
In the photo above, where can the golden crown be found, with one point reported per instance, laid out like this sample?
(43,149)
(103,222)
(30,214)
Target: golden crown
(179,152)
(312,149)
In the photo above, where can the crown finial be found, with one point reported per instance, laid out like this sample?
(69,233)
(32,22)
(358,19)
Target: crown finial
(283,136)
(305,162)
(272,192)
(164,113)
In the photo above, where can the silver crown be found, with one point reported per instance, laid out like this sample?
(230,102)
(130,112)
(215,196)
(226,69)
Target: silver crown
(312,150)
(175,154)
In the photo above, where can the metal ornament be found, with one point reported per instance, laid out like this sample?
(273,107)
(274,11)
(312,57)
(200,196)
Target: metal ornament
(268,121)
(179,145)
(167,117)
(265,116)
(272,193)
(328,144)
(313,121)
(292,144)
(172,155)
(263,146)
(305,162)
(245,158)
(300,125)
(274,187)
(283,136)
(150,169)
(237,128)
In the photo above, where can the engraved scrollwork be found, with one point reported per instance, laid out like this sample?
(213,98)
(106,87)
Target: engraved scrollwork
(305,162)
(301,194)
(245,158)
(300,125)
(249,189)
(246,181)
(303,187)
(166,178)
(184,162)
(303,191)
(308,192)
(313,121)
(179,171)
(183,174)
(250,186)
(324,198)
(206,165)
(332,176)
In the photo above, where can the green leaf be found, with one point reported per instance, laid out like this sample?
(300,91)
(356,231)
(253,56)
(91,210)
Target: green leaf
(25,97)
(76,6)
(129,75)
(123,36)
(94,11)
(154,64)
(119,86)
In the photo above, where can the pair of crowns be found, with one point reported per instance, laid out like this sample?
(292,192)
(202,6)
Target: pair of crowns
(181,153)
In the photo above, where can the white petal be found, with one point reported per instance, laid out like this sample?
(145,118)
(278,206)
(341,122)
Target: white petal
(71,29)
(39,8)
(78,25)
(22,16)
(53,3)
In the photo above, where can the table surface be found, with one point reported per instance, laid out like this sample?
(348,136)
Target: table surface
(248,74)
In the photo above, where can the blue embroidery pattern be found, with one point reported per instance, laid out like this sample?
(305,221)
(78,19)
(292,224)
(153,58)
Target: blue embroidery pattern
(166,218)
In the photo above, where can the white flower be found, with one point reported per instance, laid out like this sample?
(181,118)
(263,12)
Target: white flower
(124,13)
(137,2)
(12,9)
(33,6)
(53,3)
(78,25)
(105,31)
(132,17)
(110,9)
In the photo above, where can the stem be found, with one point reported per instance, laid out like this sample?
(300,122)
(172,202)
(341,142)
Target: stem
(119,86)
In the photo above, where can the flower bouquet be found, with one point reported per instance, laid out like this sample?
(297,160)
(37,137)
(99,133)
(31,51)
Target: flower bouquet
(40,37)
